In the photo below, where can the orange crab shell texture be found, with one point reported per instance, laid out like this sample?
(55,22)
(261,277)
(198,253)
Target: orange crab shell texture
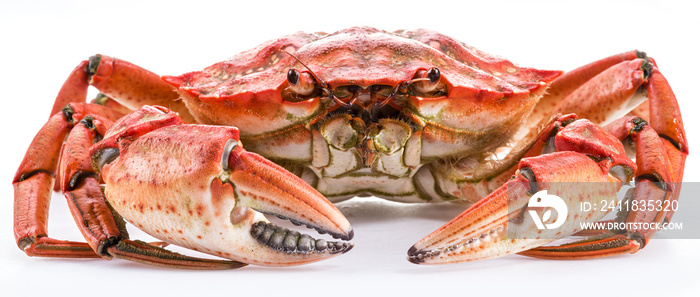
(250,83)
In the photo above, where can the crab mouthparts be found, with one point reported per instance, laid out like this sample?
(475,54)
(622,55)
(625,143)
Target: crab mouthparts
(373,113)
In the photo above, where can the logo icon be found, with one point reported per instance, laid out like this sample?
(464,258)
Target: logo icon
(542,199)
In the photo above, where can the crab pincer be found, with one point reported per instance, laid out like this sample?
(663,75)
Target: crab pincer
(193,186)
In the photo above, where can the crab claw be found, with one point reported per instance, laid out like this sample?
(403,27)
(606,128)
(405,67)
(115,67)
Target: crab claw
(518,216)
(195,186)
(504,222)
(263,187)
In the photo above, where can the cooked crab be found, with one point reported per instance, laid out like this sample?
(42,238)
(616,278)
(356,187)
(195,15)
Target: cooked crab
(411,116)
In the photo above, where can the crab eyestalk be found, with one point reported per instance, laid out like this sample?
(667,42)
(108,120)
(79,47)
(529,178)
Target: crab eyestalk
(301,83)
(427,82)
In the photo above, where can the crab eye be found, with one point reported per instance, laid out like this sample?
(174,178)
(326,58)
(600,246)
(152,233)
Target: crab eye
(293,76)
(428,84)
(433,75)
(301,85)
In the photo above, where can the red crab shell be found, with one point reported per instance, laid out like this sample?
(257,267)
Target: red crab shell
(244,90)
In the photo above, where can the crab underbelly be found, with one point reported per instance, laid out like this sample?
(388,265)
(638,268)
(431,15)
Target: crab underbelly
(364,182)
(344,157)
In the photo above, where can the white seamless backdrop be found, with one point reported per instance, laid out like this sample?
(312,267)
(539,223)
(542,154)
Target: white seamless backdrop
(42,41)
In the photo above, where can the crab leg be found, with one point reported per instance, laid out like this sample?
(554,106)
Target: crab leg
(665,119)
(610,85)
(651,176)
(82,191)
(663,112)
(594,92)
(496,226)
(74,89)
(195,186)
(36,174)
(129,85)
(566,84)
(33,185)
(661,149)
(94,216)
(109,103)
(169,178)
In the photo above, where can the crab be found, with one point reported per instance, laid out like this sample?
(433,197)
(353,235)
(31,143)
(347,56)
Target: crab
(409,116)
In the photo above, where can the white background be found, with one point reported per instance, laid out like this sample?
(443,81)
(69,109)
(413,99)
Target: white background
(42,41)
